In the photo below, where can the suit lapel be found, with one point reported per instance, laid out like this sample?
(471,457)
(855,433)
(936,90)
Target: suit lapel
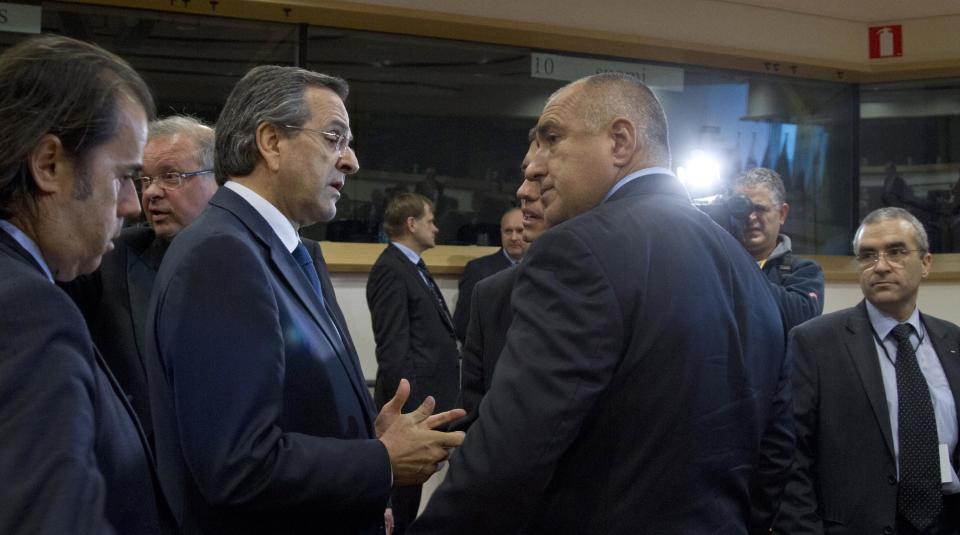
(141,271)
(947,351)
(352,361)
(414,272)
(288,270)
(862,350)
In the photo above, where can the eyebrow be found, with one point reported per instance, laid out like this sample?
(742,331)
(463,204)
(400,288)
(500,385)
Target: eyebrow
(342,126)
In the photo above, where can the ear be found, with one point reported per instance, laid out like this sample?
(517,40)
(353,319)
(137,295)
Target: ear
(411,224)
(784,210)
(925,264)
(51,169)
(624,135)
(268,145)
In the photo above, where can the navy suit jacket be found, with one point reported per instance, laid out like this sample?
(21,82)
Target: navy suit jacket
(475,271)
(415,339)
(844,479)
(72,455)
(490,317)
(114,301)
(642,372)
(263,421)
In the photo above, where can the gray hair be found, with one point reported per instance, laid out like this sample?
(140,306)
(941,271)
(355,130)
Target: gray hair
(267,94)
(610,95)
(200,133)
(761,176)
(893,213)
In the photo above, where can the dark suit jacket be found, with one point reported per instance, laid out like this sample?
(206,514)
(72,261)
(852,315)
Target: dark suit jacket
(845,476)
(263,421)
(643,369)
(73,458)
(475,271)
(114,301)
(414,337)
(490,317)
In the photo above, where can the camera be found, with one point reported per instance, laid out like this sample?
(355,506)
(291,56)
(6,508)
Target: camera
(732,212)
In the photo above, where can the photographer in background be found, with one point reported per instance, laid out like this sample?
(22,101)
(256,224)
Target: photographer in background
(799,282)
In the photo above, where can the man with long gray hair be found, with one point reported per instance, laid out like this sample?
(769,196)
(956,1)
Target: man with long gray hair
(263,421)
(176,182)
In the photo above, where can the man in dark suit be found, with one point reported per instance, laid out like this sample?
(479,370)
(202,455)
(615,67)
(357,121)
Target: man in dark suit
(490,313)
(263,421)
(73,120)
(411,323)
(176,183)
(875,396)
(644,367)
(511,251)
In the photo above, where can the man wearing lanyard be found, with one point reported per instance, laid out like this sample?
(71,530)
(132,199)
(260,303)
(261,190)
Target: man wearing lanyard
(875,396)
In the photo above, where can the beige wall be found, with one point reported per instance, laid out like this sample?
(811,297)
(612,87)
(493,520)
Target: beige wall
(940,299)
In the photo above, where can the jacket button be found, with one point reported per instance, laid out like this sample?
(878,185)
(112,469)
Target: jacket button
(892,480)
(887,530)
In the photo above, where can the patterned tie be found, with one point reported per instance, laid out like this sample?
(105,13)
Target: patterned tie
(435,290)
(919,498)
(302,257)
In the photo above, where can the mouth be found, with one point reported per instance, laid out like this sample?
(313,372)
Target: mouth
(337,185)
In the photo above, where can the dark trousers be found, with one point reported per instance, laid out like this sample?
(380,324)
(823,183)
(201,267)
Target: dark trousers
(405,502)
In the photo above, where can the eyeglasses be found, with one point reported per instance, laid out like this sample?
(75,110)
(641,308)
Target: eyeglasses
(896,256)
(339,141)
(171,180)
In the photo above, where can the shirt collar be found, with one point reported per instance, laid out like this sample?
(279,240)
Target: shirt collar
(20,237)
(635,175)
(507,256)
(883,324)
(281,226)
(408,252)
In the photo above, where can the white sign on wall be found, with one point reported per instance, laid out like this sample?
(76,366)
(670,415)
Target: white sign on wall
(19,18)
(570,68)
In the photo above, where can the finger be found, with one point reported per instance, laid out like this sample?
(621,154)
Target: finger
(399,398)
(437,420)
(448,440)
(424,410)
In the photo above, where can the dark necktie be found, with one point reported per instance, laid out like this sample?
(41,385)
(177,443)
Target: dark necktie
(435,290)
(302,257)
(919,498)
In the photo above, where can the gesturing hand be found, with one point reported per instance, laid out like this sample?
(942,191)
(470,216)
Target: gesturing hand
(412,443)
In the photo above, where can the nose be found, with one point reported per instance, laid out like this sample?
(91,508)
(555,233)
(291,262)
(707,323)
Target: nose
(153,191)
(348,163)
(127,204)
(529,191)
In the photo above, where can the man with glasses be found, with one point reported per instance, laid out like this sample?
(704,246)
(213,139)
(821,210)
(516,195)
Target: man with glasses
(798,282)
(875,391)
(176,182)
(263,421)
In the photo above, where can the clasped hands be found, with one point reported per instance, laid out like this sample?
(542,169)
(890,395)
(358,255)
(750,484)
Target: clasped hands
(414,445)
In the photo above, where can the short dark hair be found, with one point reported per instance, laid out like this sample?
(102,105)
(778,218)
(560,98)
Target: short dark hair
(52,84)
(401,207)
(267,94)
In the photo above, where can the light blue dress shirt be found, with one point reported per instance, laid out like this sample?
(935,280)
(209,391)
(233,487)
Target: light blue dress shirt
(944,408)
(20,237)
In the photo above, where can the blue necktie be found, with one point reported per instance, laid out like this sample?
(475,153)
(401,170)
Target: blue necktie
(302,257)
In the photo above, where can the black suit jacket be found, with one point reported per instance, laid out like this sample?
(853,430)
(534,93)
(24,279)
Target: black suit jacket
(114,302)
(475,271)
(490,317)
(415,339)
(613,408)
(263,420)
(845,476)
(72,455)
